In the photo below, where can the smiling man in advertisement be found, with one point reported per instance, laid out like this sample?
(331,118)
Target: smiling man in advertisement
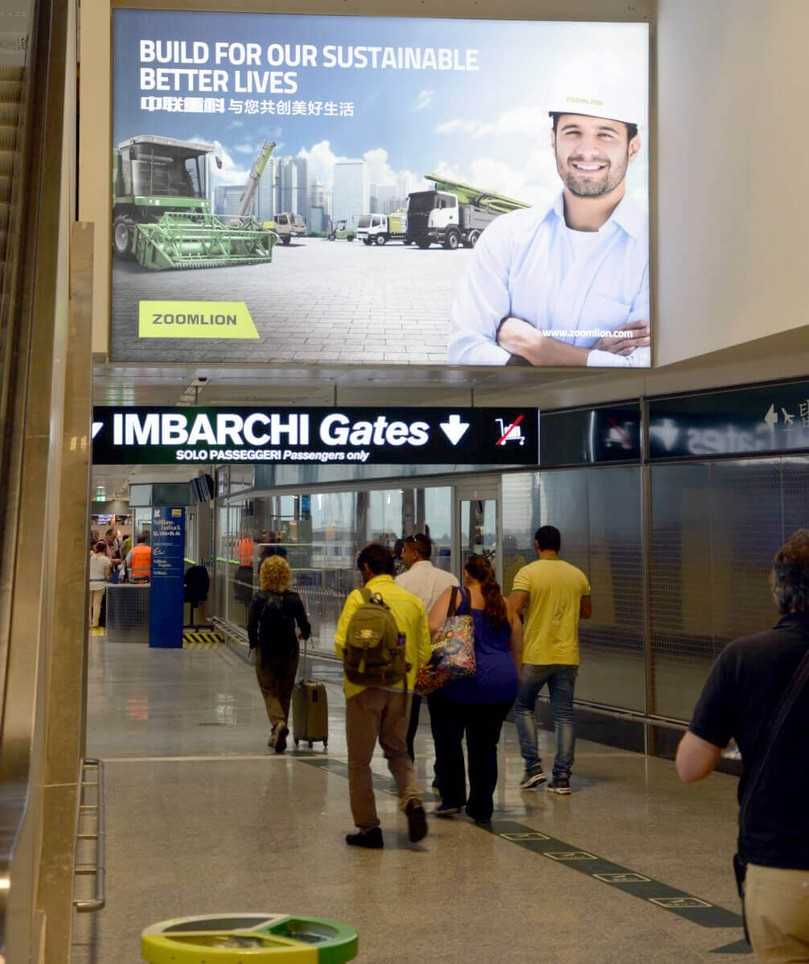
(566,284)
(347,190)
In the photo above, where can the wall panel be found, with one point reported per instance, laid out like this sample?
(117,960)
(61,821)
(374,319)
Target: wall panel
(715,529)
(598,513)
(795,494)
(748,527)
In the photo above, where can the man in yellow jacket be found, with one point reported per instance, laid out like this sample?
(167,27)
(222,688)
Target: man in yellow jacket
(381,713)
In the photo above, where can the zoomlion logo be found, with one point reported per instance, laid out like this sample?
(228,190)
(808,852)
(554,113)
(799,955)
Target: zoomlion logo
(592,101)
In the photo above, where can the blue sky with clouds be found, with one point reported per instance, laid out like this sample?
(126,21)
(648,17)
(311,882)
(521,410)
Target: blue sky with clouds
(489,127)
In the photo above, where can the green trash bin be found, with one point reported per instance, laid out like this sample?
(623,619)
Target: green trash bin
(249,939)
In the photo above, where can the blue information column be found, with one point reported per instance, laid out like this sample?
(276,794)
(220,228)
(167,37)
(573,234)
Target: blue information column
(166,598)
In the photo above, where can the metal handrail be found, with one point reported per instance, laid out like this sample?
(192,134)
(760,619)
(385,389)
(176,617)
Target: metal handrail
(99,811)
(632,716)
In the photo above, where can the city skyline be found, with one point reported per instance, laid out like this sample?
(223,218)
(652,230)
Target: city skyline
(283,187)
(286,186)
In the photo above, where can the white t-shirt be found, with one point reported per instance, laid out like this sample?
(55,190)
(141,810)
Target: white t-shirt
(426,581)
(582,242)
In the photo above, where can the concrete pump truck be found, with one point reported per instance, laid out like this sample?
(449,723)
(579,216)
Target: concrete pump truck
(453,214)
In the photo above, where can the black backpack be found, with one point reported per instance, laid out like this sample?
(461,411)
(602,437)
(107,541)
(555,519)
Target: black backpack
(276,631)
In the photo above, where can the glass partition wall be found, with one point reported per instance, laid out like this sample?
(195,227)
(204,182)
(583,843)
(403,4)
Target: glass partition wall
(598,512)
(677,554)
(321,533)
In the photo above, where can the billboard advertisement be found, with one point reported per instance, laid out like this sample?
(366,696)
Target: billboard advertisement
(371,191)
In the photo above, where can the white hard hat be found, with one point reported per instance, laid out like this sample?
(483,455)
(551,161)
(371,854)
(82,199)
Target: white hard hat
(624,109)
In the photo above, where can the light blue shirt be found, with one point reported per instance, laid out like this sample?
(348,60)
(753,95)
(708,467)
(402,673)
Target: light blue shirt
(526,265)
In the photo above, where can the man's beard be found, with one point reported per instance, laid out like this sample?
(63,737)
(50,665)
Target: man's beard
(582,186)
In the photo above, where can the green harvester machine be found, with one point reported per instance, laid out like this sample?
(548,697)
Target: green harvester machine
(162,214)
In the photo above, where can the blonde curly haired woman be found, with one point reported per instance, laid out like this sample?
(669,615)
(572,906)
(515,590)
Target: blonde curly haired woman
(275,613)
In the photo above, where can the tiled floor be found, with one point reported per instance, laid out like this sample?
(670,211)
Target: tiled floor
(318,301)
(202,819)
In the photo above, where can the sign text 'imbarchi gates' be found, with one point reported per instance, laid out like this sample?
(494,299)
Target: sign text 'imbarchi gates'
(382,436)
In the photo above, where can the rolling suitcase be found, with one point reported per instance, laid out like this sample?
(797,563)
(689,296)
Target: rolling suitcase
(310,710)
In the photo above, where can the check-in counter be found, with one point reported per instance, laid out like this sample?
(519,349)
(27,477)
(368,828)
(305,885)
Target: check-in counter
(128,612)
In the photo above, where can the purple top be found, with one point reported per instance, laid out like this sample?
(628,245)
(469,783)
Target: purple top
(495,679)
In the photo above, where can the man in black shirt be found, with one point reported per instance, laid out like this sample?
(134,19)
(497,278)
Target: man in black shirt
(741,700)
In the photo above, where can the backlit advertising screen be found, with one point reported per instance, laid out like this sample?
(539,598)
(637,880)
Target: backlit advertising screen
(379,191)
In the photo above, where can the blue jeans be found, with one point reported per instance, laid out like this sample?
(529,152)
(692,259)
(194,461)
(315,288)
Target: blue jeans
(561,682)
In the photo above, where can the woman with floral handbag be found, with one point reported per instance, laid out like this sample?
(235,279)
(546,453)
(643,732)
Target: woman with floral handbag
(474,706)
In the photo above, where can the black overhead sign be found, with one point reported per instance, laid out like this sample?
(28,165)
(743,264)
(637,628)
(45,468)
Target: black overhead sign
(329,436)
(743,421)
(589,436)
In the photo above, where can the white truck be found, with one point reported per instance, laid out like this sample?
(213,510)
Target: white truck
(381,228)
(288,226)
(453,214)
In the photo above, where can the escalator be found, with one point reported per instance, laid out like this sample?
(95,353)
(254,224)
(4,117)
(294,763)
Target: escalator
(10,96)
(45,361)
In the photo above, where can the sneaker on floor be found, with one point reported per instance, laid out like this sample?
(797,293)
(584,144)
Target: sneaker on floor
(273,735)
(444,810)
(281,739)
(416,821)
(369,839)
(532,779)
(559,785)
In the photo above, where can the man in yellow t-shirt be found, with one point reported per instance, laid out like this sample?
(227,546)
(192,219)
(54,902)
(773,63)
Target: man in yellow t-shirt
(382,713)
(553,596)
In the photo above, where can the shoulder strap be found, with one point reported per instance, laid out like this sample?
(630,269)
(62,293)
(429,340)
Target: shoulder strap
(453,602)
(797,684)
(366,594)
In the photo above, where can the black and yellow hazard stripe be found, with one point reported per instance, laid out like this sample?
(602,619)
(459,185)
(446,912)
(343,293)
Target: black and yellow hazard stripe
(201,639)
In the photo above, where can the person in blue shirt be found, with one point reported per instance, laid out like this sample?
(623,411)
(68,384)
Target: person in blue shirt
(566,284)
(477,706)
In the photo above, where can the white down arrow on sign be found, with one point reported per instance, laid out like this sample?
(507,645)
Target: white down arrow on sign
(454,428)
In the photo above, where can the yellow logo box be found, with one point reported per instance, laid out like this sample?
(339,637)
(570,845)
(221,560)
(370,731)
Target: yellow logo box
(196,319)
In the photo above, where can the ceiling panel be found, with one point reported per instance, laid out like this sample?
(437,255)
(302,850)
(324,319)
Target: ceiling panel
(777,356)
(171,385)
